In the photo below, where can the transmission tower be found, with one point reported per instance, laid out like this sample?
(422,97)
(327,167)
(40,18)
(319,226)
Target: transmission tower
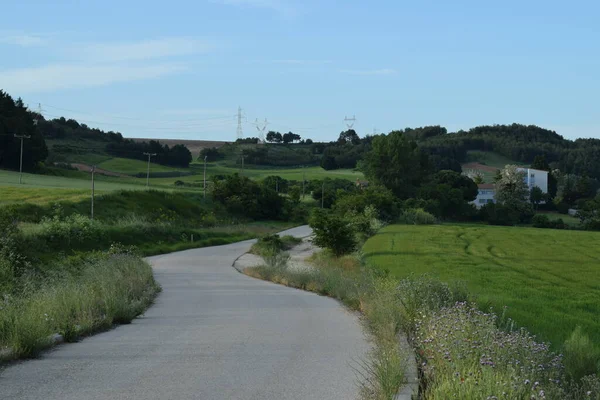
(350,122)
(240,132)
(38,113)
(261,127)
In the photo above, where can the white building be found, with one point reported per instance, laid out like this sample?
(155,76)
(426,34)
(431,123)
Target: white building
(486,194)
(533,178)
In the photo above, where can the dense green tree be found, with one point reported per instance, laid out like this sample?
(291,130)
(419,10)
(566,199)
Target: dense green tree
(290,137)
(396,163)
(382,199)
(16,119)
(332,232)
(350,136)
(274,137)
(449,194)
(211,154)
(328,163)
(246,198)
(536,196)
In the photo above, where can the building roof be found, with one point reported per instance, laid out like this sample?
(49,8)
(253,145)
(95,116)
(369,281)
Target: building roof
(486,186)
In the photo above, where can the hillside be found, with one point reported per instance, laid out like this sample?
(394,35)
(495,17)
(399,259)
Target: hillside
(194,146)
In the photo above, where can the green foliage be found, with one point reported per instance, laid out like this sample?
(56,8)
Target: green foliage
(107,289)
(542,221)
(416,216)
(243,197)
(581,355)
(329,190)
(211,154)
(365,224)
(418,295)
(450,194)
(332,232)
(379,198)
(16,119)
(397,164)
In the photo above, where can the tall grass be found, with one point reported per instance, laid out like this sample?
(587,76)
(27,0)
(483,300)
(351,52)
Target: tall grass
(107,290)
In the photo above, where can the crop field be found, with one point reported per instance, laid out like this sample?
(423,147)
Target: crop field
(131,167)
(311,173)
(549,280)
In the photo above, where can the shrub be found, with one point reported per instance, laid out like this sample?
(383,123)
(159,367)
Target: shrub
(332,232)
(365,224)
(581,356)
(417,295)
(464,355)
(540,221)
(416,216)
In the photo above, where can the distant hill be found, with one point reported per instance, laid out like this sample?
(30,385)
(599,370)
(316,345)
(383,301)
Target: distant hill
(195,146)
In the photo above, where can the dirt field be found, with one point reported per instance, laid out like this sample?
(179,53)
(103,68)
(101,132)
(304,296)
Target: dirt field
(193,145)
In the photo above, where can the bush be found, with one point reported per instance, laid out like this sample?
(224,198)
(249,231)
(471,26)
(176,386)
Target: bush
(109,288)
(332,232)
(416,216)
(540,221)
(581,356)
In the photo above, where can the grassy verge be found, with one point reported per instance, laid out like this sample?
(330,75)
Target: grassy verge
(104,290)
(345,279)
(463,353)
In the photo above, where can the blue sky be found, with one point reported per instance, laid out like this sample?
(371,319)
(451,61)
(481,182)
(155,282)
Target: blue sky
(179,69)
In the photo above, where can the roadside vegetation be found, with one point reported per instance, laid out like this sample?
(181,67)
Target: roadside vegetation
(464,348)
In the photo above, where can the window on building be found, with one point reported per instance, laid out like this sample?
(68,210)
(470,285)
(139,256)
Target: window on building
(482,201)
(490,200)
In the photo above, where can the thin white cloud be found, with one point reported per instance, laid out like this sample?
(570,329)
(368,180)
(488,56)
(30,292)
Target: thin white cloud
(68,76)
(383,71)
(280,6)
(23,40)
(143,50)
(216,112)
(301,62)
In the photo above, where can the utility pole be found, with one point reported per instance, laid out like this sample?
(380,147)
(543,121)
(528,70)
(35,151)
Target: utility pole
(148,172)
(303,180)
(350,122)
(21,161)
(240,133)
(323,194)
(205,157)
(93,189)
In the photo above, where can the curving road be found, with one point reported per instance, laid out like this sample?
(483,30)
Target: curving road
(212,334)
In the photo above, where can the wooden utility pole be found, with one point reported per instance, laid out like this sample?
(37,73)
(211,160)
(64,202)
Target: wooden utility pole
(21,160)
(205,178)
(148,171)
(93,189)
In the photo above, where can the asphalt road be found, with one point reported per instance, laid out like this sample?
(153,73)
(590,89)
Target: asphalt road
(212,334)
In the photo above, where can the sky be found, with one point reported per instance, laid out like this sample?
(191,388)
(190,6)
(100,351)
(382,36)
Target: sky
(181,68)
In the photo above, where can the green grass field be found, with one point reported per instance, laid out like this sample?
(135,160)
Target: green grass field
(548,279)
(131,167)
(40,189)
